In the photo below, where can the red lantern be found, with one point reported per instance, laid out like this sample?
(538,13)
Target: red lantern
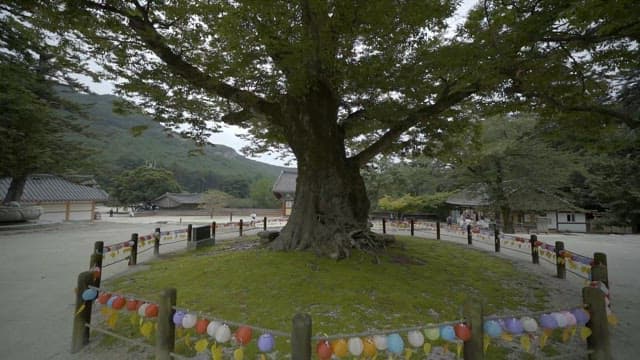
(132,305)
(151,310)
(243,335)
(463,332)
(201,326)
(323,349)
(103,298)
(118,303)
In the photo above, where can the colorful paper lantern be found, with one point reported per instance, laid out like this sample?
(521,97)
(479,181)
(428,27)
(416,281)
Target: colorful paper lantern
(416,339)
(547,321)
(110,301)
(103,298)
(492,328)
(201,326)
(243,335)
(177,317)
(560,319)
(447,333)
(513,326)
(395,344)
(462,331)
(581,315)
(151,310)
(570,318)
(356,346)
(432,333)
(142,309)
(212,327)
(266,342)
(89,294)
(529,324)
(380,342)
(189,321)
(119,303)
(132,304)
(370,349)
(223,334)
(340,347)
(323,349)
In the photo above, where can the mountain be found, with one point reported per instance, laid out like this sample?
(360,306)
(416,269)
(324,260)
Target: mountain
(117,149)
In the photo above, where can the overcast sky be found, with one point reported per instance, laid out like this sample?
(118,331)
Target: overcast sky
(229,134)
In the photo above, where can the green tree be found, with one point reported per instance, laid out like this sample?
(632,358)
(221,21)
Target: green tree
(262,195)
(143,185)
(34,118)
(339,82)
(513,163)
(216,199)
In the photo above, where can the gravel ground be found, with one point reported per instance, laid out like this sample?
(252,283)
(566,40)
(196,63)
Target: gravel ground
(39,266)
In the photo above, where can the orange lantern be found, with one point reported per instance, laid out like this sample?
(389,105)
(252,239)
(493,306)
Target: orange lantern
(243,335)
(463,332)
(201,326)
(323,349)
(118,303)
(340,347)
(151,310)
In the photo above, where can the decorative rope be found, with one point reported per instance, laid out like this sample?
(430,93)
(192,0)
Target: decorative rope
(384,332)
(234,323)
(115,262)
(115,335)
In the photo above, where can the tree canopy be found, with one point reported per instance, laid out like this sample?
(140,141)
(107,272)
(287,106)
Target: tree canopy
(340,82)
(143,185)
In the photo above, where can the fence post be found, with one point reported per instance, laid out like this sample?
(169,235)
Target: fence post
(534,249)
(264,224)
(496,238)
(474,349)
(166,336)
(213,231)
(600,260)
(156,242)
(560,265)
(189,234)
(412,226)
(82,313)
(469,237)
(598,342)
(384,225)
(95,263)
(133,257)
(437,230)
(301,337)
(240,227)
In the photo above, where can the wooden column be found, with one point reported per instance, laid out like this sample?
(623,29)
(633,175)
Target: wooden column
(535,258)
(598,342)
(437,230)
(473,349)
(469,237)
(301,337)
(133,257)
(82,313)
(560,263)
(412,226)
(166,335)
(156,242)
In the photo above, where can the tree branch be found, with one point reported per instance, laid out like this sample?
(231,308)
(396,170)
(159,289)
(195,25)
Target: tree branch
(387,139)
(155,42)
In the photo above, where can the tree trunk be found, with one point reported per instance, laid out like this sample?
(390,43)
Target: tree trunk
(507,220)
(330,210)
(16,188)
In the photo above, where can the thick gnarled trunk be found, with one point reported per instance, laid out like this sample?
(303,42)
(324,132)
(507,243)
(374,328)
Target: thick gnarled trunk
(331,207)
(16,188)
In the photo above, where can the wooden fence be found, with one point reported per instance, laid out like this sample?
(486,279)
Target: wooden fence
(468,334)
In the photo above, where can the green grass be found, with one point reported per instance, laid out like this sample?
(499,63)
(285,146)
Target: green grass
(418,282)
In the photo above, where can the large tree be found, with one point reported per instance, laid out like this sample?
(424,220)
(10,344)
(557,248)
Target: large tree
(143,185)
(34,119)
(339,82)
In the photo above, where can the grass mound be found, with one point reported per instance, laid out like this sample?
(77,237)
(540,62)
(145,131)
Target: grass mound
(417,282)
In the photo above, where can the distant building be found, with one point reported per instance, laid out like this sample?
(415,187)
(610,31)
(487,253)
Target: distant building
(179,201)
(284,189)
(60,198)
(537,210)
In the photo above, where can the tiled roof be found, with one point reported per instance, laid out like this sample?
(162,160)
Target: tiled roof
(286,183)
(52,188)
(183,198)
(519,200)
